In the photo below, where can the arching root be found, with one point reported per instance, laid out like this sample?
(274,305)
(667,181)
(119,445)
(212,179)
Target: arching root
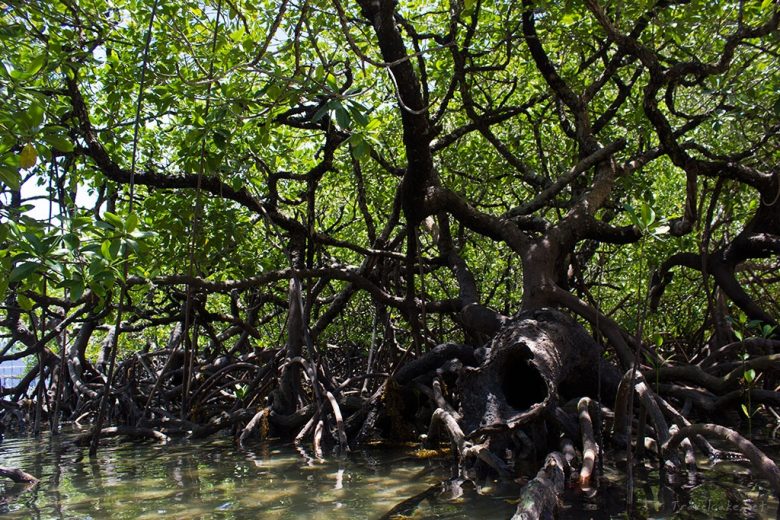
(760,462)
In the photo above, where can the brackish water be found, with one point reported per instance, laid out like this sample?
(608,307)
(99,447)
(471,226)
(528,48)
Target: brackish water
(213,479)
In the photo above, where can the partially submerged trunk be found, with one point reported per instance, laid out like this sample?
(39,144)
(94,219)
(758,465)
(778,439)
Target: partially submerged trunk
(500,403)
(538,359)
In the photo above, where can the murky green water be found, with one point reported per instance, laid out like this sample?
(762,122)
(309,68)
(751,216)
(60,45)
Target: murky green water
(212,479)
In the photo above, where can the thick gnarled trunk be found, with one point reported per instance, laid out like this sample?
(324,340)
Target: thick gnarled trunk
(538,359)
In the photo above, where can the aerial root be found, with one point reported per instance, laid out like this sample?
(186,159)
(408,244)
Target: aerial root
(324,393)
(342,434)
(126,431)
(589,447)
(442,419)
(760,462)
(407,506)
(253,425)
(539,498)
(317,441)
(483,453)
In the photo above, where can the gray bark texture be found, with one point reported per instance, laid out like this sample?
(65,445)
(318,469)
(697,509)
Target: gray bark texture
(536,359)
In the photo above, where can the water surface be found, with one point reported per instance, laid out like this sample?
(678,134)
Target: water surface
(213,479)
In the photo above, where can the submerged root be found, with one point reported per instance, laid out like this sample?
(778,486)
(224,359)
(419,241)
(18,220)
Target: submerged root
(760,462)
(125,431)
(499,406)
(17,475)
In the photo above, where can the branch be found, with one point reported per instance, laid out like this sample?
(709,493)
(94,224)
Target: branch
(565,179)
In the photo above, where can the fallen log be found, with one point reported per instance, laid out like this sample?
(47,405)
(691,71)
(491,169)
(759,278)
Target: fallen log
(17,475)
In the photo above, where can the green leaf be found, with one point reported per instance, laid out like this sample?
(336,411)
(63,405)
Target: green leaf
(76,290)
(22,271)
(358,113)
(745,410)
(319,114)
(105,250)
(59,143)
(35,65)
(342,116)
(750,375)
(569,19)
(113,58)
(75,285)
(113,219)
(330,79)
(274,92)
(114,247)
(360,147)
(102,224)
(24,302)
(81,221)
(143,234)
(132,223)
(133,245)
(647,215)
(632,216)
(220,138)
(37,245)
(35,113)
(238,34)
(71,240)
(5,266)
(755,324)
(10,177)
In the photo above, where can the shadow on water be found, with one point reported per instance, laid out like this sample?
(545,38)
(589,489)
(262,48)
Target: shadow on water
(215,480)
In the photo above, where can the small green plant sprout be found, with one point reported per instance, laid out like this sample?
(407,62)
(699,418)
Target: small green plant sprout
(749,380)
(241,391)
(658,361)
(762,329)
(751,329)
(644,217)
